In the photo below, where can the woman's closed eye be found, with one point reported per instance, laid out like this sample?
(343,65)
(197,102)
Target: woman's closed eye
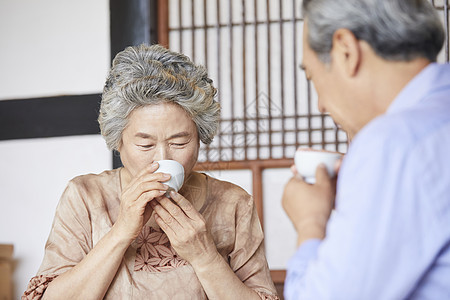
(149,146)
(179,145)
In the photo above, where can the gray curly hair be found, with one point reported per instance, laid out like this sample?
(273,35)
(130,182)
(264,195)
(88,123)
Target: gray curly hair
(147,75)
(397,30)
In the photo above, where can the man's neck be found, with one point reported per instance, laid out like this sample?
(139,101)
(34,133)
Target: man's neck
(384,81)
(392,78)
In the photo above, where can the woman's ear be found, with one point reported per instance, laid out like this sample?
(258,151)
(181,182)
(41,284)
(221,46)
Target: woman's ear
(346,51)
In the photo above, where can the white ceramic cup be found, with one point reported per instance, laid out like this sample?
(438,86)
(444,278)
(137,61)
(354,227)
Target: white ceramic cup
(176,171)
(307,161)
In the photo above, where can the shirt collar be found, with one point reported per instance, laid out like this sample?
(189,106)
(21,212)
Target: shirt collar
(430,78)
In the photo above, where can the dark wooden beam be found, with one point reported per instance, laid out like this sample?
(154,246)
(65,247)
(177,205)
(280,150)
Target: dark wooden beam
(163,23)
(132,22)
(49,117)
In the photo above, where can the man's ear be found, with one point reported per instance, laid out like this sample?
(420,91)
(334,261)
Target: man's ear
(346,51)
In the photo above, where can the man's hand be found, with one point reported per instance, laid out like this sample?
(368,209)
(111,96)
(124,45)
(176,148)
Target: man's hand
(309,205)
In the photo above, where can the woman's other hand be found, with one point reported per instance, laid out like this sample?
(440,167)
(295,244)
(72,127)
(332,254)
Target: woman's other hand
(135,209)
(186,229)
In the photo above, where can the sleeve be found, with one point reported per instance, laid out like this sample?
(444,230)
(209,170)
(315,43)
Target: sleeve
(297,266)
(248,259)
(381,239)
(68,243)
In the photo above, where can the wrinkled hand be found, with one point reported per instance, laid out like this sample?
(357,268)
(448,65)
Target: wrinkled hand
(186,229)
(309,205)
(135,209)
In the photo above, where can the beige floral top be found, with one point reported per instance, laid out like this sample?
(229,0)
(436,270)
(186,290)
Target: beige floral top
(151,269)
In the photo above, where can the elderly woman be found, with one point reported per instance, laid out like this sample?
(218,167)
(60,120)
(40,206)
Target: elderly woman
(117,236)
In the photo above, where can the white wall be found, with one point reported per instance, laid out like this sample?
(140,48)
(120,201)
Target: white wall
(280,235)
(52,47)
(47,48)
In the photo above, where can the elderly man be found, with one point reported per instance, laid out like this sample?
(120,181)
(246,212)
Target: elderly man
(372,63)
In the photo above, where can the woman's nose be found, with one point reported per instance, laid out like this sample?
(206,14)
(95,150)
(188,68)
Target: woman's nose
(161,153)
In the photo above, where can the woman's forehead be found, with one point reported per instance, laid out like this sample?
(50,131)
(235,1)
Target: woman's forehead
(161,120)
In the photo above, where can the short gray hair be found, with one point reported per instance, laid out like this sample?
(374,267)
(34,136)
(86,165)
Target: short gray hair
(397,30)
(147,75)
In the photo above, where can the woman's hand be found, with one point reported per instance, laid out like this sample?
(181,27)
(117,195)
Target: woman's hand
(186,229)
(134,203)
